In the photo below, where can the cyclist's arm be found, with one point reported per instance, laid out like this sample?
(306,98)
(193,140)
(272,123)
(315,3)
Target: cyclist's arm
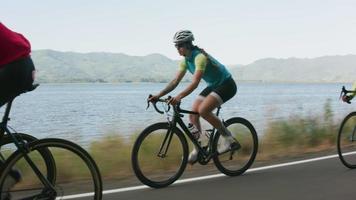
(198,74)
(174,83)
(200,65)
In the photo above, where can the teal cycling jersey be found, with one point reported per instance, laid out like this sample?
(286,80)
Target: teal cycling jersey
(214,73)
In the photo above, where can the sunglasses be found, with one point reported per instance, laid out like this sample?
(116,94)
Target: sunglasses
(179,45)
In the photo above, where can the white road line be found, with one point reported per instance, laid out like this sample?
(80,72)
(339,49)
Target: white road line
(206,177)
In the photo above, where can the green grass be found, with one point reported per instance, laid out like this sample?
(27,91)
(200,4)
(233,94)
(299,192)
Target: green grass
(298,135)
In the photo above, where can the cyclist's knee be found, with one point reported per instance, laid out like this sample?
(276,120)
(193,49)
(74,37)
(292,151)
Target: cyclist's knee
(193,118)
(203,112)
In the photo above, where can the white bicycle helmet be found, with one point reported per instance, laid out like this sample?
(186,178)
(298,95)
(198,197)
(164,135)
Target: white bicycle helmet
(183,36)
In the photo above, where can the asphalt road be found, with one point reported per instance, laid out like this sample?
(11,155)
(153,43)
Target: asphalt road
(323,179)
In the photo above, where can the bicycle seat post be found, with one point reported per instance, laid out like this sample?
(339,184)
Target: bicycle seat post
(6,118)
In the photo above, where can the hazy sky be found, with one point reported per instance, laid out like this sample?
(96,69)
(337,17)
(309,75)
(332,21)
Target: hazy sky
(233,31)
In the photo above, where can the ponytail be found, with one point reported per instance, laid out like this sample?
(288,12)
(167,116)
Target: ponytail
(204,53)
(201,50)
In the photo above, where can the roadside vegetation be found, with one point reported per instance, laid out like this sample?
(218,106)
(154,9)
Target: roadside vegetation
(289,138)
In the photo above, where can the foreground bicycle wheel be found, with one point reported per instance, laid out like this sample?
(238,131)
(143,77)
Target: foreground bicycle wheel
(7,147)
(159,155)
(77,173)
(346,141)
(237,162)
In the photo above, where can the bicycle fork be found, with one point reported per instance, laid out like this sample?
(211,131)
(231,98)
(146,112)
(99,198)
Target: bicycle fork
(165,144)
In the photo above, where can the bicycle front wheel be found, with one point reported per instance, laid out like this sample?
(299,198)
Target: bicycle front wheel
(7,147)
(346,141)
(77,174)
(159,155)
(234,163)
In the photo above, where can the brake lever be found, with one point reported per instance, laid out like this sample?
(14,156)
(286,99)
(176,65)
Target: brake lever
(148,105)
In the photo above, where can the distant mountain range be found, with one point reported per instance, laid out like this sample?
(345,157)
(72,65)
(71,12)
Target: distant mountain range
(58,67)
(321,69)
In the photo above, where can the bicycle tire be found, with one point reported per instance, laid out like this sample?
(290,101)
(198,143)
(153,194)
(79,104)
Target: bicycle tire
(45,153)
(234,168)
(347,128)
(39,145)
(145,176)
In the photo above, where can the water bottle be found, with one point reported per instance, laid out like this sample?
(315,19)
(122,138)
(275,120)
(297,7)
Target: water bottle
(194,130)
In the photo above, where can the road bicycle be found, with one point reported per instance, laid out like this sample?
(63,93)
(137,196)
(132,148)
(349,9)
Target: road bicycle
(160,152)
(346,139)
(44,169)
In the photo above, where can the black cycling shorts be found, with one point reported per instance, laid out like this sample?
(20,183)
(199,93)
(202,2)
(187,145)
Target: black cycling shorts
(223,92)
(15,78)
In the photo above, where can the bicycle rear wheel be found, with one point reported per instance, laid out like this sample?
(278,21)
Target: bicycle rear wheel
(159,155)
(346,141)
(234,163)
(77,174)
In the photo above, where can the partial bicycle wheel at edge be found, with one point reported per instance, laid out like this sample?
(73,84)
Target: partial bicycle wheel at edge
(7,147)
(346,141)
(237,162)
(159,155)
(77,173)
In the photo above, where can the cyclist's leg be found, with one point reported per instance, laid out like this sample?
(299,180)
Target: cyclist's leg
(215,99)
(6,84)
(205,110)
(210,103)
(23,73)
(194,119)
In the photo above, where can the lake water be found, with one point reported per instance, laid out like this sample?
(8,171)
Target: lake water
(86,112)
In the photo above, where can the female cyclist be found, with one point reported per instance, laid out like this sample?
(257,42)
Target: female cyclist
(220,88)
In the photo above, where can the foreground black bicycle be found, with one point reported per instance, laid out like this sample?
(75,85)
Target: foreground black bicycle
(160,153)
(346,140)
(44,169)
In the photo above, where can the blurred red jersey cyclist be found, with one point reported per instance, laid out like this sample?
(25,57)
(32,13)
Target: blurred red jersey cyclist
(16,76)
